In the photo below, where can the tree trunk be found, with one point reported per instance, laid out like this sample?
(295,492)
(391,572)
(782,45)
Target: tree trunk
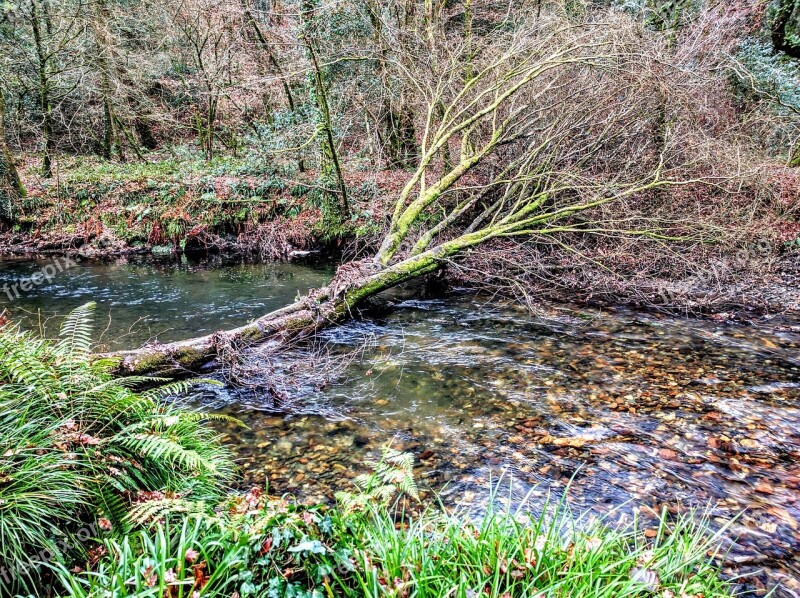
(265,46)
(321,308)
(331,170)
(11,188)
(43,68)
(399,138)
(111,141)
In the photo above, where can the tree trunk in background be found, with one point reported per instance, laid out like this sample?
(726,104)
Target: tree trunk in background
(38,20)
(261,39)
(100,19)
(331,170)
(398,122)
(330,167)
(11,189)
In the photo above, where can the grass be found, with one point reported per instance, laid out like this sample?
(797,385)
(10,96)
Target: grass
(259,546)
(78,448)
(92,170)
(506,555)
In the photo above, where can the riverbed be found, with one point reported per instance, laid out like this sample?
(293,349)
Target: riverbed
(624,411)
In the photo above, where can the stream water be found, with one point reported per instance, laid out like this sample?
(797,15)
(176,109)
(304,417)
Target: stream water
(628,410)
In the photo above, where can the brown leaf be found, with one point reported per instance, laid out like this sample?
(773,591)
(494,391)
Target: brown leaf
(668,454)
(764,488)
(200,577)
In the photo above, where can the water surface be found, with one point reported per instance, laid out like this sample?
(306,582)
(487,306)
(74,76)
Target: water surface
(631,410)
(145,299)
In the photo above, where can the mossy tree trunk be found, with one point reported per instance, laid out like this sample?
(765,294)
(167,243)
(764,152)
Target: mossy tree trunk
(111,143)
(11,188)
(41,26)
(331,176)
(319,309)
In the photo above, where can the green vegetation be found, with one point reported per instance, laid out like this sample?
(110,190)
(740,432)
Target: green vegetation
(79,448)
(270,547)
(109,492)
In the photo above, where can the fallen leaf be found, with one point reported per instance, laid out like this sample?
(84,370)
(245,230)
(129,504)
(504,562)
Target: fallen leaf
(668,454)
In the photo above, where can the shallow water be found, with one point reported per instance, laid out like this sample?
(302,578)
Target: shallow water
(147,299)
(638,410)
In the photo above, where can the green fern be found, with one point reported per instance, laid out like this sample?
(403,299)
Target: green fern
(154,510)
(76,444)
(392,474)
(76,333)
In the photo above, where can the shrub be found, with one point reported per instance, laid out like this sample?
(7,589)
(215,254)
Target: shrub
(78,447)
(368,546)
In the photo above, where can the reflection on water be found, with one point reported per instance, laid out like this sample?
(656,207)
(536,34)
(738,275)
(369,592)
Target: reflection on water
(141,299)
(642,410)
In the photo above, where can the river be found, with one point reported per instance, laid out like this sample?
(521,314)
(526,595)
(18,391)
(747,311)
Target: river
(625,411)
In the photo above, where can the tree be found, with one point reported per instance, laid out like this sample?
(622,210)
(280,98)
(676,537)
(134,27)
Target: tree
(211,32)
(54,33)
(330,164)
(553,127)
(395,117)
(99,20)
(11,188)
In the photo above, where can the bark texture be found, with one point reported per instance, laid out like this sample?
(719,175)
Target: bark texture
(11,189)
(321,308)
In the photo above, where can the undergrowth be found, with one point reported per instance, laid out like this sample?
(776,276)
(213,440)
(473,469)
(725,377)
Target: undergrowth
(78,448)
(370,545)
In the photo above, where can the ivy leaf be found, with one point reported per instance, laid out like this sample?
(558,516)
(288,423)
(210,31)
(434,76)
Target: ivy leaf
(313,546)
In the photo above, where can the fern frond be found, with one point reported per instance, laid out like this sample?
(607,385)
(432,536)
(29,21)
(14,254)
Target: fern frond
(76,332)
(159,448)
(113,507)
(152,510)
(160,423)
(175,388)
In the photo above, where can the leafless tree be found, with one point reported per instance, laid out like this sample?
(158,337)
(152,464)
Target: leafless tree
(554,125)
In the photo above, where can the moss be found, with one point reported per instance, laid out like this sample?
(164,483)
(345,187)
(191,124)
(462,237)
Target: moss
(146,362)
(189,357)
(252,333)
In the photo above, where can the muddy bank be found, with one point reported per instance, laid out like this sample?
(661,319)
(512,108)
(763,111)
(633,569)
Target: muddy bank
(724,288)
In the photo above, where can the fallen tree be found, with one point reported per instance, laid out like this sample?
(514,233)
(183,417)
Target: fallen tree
(556,120)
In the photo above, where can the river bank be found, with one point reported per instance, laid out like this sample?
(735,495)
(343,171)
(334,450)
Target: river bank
(96,210)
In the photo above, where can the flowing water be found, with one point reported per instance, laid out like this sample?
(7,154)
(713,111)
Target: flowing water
(622,410)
